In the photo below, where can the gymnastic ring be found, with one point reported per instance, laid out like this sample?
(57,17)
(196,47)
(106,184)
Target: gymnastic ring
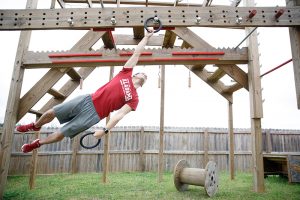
(88,147)
(152,18)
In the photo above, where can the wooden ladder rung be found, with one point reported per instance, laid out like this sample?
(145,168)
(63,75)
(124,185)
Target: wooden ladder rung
(232,88)
(219,73)
(38,113)
(56,94)
(74,74)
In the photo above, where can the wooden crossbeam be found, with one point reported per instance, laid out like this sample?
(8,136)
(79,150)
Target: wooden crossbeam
(219,73)
(86,18)
(35,112)
(74,74)
(138,32)
(108,40)
(169,39)
(56,94)
(137,2)
(149,57)
(237,74)
(122,39)
(231,89)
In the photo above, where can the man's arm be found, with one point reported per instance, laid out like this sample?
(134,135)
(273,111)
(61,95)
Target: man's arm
(114,120)
(132,61)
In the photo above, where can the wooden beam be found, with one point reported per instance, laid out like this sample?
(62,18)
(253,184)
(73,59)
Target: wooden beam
(218,74)
(138,2)
(13,104)
(33,163)
(206,147)
(105,162)
(295,45)
(138,32)
(97,18)
(122,39)
(118,57)
(231,141)
(161,126)
(142,149)
(108,40)
(231,89)
(256,110)
(74,74)
(169,39)
(37,113)
(75,148)
(236,74)
(56,94)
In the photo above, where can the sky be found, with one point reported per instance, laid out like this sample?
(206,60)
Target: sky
(198,106)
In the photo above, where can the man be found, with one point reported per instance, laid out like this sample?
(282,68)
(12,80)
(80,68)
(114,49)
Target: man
(84,111)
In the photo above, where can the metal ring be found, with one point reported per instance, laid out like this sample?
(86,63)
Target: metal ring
(88,147)
(152,18)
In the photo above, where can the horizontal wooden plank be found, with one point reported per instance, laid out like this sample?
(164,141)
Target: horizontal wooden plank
(86,18)
(158,56)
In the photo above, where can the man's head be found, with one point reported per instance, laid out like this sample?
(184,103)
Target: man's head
(140,77)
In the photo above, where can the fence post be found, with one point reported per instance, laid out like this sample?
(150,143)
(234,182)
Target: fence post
(142,155)
(75,148)
(33,164)
(206,147)
(269,142)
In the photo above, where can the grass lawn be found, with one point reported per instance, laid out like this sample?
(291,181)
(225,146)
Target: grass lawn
(142,186)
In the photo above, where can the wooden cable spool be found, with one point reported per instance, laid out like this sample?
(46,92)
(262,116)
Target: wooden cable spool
(207,178)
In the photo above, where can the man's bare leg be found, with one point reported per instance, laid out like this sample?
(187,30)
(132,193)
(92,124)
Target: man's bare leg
(54,137)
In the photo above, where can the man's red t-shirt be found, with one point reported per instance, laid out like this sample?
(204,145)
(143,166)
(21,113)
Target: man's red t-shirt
(115,94)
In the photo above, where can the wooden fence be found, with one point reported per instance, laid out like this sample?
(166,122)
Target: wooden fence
(136,149)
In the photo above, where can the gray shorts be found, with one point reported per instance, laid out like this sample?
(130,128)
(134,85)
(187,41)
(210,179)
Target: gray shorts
(79,114)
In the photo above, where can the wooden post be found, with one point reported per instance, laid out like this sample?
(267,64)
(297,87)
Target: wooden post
(256,110)
(161,130)
(206,147)
(33,164)
(231,140)
(142,146)
(295,45)
(106,142)
(75,148)
(13,104)
(269,142)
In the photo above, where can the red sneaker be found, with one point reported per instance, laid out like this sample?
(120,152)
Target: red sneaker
(29,147)
(28,127)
